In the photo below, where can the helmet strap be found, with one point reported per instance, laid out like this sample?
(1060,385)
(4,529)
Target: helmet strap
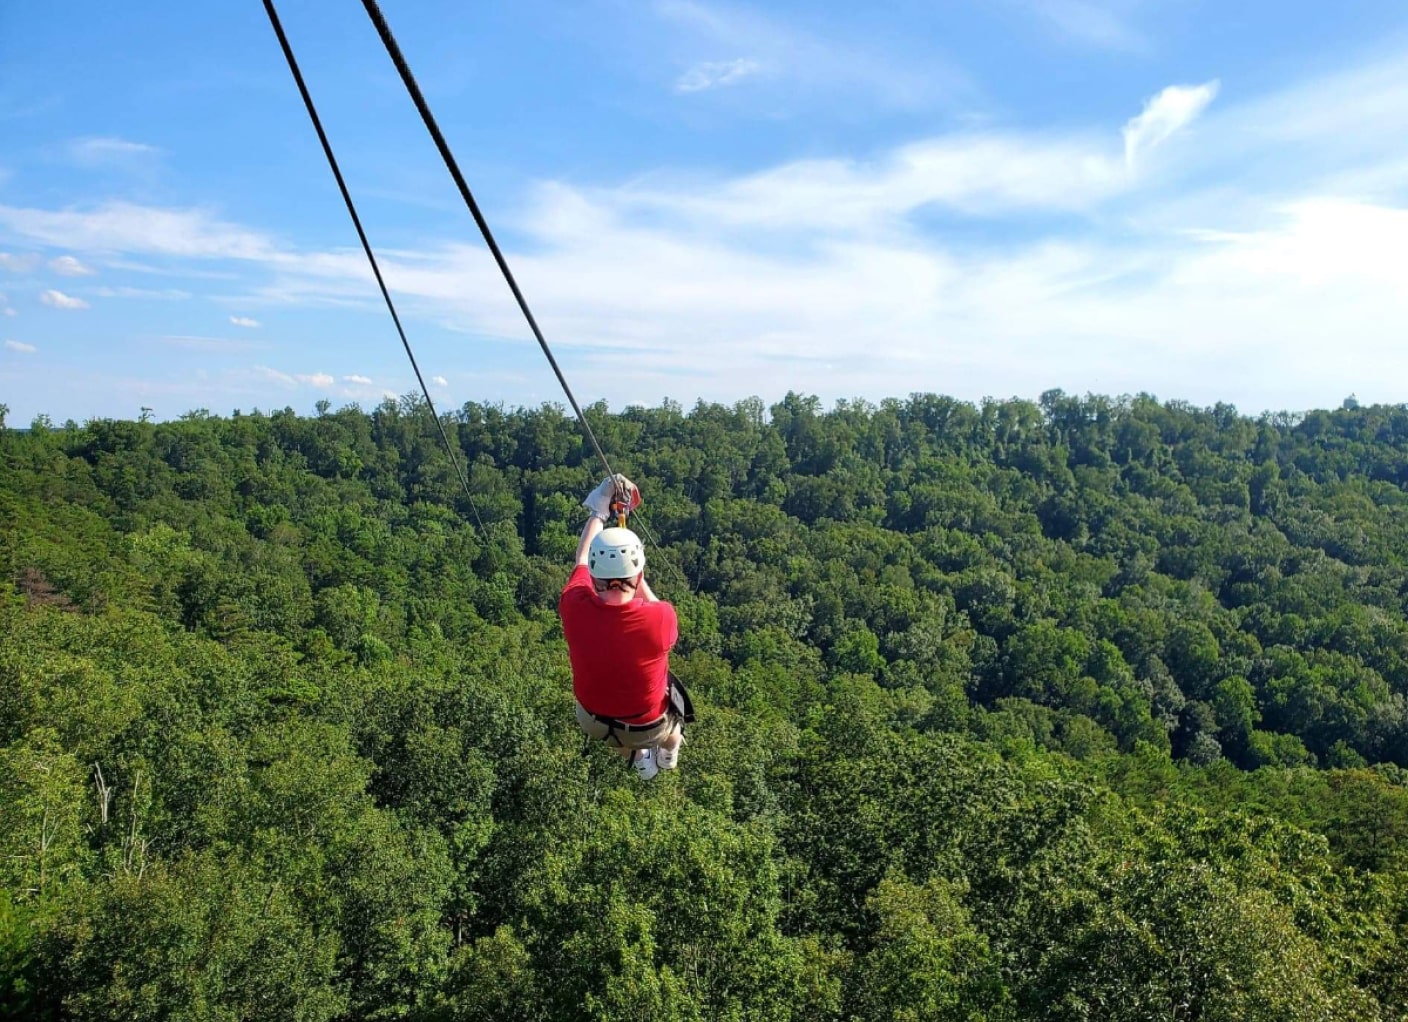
(625,585)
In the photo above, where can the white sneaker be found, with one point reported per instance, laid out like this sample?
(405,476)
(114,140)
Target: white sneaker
(668,759)
(644,762)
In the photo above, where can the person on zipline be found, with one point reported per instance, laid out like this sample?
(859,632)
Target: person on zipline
(619,636)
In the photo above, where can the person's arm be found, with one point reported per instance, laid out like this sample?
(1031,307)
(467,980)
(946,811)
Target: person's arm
(646,592)
(669,624)
(584,545)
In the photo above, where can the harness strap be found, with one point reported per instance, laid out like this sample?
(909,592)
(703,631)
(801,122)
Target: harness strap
(612,724)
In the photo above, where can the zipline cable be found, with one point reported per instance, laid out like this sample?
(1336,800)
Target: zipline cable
(394,51)
(367,247)
(389,41)
(650,537)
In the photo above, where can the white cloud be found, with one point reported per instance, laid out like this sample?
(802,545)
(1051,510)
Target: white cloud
(59,300)
(1319,243)
(1186,318)
(99,152)
(293,379)
(26,349)
(68,266)
(1169,112)
(981,174)
(133,229)
(1222,270)
(439,381)
(677,279)
(274,375)
(17,263)
(245,321)
(716,74)
(159,294)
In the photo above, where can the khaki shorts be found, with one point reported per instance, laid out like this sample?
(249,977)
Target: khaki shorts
(619,739)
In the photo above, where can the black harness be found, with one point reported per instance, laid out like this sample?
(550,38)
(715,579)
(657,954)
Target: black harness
(678,705)
(613,725)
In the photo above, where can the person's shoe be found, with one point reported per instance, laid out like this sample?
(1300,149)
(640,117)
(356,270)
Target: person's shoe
(668,759)
(644,762)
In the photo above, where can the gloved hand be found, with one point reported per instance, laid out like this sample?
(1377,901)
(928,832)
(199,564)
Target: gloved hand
(598,502)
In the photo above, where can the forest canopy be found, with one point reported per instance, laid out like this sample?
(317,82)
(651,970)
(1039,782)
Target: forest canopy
(1082,708)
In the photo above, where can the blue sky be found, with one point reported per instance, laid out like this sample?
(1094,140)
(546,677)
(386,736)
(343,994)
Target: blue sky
(1205,201)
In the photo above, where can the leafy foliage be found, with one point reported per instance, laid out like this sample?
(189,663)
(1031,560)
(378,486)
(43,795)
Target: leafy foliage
(1063,710)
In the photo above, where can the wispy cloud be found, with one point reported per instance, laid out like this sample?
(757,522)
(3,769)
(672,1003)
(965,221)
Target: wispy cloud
(791,55)
(981,174)
(275,376)
(17,263)
(1166,114)
(59,300)
(196,343)
(318,380)
(170,294)
(68,266)
(245,321)
(716,74)
(363,381)
(185,268)
(1105,24)
(14,110)
(99,152)
(5,309)
(129,228)
(439,381)
(21,347)
(1345,127)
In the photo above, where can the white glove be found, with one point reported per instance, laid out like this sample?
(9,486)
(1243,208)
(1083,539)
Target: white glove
(598,502)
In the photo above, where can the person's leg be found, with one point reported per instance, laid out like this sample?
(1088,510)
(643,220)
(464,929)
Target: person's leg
(639,755)
(667,752)
(649,759)
(598,731)
(636,747)
(643,740)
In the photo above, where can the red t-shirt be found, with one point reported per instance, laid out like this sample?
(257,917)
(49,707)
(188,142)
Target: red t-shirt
(620,655)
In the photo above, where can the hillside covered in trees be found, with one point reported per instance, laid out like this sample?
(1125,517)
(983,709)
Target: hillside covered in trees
(1078,709)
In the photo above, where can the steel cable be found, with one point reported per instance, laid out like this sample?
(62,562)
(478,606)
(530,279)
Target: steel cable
(366,247)
(389,41)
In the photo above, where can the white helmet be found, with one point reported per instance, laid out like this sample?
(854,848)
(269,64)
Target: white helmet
(616,553)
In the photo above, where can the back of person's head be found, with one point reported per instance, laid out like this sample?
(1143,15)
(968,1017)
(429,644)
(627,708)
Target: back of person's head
(616,553)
